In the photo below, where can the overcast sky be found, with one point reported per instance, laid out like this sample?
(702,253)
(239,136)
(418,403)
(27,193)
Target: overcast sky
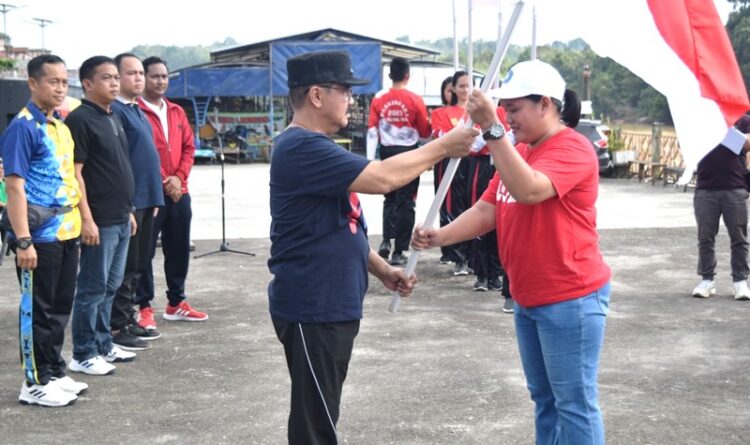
(83,28)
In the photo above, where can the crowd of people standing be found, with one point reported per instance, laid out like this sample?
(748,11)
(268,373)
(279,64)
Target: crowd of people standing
(87,199)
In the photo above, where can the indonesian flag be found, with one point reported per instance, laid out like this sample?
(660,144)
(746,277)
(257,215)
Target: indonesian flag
(681,48)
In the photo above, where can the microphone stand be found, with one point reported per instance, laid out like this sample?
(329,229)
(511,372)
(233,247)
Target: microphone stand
(224,247)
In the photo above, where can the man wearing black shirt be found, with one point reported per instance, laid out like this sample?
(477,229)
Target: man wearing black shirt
(720,191)
(106,180)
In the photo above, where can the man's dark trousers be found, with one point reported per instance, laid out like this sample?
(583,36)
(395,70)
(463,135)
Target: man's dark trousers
(54,285)
(398,206)
(123,312)
(173,221)
(317,355)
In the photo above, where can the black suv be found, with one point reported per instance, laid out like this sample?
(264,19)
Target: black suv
(597,133)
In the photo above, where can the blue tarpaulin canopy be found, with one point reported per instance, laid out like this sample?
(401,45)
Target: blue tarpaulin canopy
(200,84)
(365,56)
(254,81)
(227,82)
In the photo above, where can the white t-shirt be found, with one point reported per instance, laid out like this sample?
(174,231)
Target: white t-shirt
(161,111)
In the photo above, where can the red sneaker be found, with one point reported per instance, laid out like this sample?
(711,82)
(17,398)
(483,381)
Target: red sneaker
(183,312)
(146,319)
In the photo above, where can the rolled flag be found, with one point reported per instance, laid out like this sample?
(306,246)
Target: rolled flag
(681,48)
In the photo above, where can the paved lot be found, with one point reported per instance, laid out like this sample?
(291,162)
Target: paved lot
(445,370)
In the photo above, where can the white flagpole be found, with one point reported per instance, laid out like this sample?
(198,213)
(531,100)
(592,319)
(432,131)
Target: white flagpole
(455,39)
(450,171)
(499,34)
(533,33)
(470,50)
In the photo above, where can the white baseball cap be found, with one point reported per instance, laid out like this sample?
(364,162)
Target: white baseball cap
(531,77)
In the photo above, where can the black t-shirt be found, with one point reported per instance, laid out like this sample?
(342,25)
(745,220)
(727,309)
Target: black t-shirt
(319,248)
(721,169)
(102,147)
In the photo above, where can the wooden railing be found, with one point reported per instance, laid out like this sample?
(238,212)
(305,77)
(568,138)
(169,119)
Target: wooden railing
(642,144)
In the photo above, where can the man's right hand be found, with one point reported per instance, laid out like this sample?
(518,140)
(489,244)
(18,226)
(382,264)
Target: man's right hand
(458,141)
(89,233)
(172,184)
(26,258)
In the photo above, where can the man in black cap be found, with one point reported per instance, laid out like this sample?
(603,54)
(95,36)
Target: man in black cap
(320,254)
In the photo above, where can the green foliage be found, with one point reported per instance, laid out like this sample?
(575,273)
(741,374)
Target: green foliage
(614,139)
(181,56)
(738,28)
(615,91)
(7,64)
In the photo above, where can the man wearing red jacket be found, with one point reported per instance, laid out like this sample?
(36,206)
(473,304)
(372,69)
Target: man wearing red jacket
(173,138)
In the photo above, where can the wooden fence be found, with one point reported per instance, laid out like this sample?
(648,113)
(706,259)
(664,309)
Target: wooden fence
(642,144)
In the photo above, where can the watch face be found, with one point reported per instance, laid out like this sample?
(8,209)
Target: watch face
(23,244)
(495,132)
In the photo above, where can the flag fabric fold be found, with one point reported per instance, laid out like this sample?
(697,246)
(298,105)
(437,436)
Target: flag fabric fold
(681,48)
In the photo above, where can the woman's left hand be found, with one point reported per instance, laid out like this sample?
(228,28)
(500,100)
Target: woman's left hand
(482,109)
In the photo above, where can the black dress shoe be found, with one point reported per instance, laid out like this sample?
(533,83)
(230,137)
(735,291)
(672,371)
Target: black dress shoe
(385,249)
(398,259)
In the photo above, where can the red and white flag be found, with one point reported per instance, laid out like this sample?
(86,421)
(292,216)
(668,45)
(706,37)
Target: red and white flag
(681,48)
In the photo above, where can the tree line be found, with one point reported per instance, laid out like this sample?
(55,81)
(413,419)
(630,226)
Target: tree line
(616,93)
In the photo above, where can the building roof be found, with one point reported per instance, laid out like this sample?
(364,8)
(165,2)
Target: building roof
(259,52)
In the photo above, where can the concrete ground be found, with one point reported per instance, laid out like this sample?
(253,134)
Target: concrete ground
(444,370)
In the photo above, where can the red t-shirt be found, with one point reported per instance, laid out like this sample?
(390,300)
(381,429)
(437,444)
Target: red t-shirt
(550,250)
(400,117)
(445,118)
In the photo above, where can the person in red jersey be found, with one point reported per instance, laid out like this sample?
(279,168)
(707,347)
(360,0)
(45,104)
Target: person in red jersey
(444,119)
(542,201)
(398,119)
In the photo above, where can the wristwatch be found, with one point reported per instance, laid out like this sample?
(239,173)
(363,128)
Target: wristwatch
(495,132)
(24,243)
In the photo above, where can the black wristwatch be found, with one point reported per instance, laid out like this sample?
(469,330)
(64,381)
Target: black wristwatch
(24,243)
(495,132)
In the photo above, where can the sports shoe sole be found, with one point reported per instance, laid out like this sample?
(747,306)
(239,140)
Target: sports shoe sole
(702,295)
(83,370)
(182,318)
(32,401)
(132,348)
(742,297)
(153,335)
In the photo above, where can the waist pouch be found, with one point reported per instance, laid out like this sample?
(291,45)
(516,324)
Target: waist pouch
(37,216)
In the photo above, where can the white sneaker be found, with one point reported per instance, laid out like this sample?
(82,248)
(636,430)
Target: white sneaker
(70,385)
(93,366)
(117,354)
(46,395)
(741,291)
(704,289)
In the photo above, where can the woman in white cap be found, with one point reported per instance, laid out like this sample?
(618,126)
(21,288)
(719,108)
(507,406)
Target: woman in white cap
(542,203)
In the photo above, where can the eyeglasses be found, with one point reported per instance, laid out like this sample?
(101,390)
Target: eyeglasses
(344,89)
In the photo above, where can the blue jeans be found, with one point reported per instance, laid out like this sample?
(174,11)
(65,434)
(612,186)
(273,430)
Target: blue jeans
(559,346)
(99,277)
